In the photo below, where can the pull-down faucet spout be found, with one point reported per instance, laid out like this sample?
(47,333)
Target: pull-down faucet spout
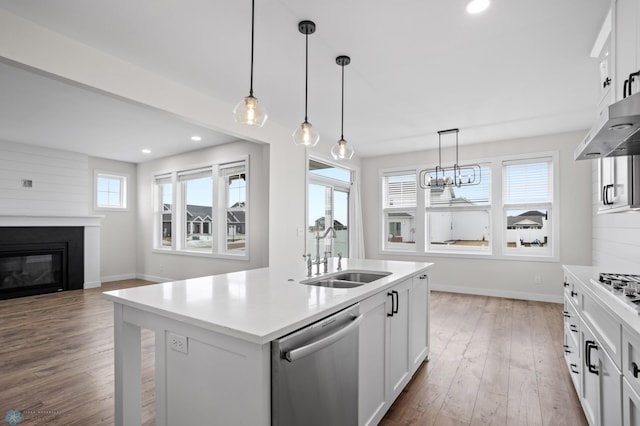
(318,238)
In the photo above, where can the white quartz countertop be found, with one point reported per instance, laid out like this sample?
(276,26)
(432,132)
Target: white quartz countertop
(628,316)
(260,305)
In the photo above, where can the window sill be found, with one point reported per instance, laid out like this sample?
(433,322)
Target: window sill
(243,257)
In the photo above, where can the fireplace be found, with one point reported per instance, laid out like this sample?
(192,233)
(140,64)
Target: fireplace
(37,260)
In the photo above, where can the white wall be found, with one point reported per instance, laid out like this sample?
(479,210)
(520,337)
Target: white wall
(616,236)
(118,228)
(167,266)
(509,278)
(59,181)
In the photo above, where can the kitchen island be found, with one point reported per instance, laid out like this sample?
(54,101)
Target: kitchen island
(213,336)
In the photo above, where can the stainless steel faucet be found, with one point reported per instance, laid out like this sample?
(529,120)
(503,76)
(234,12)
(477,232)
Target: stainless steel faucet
(318,238)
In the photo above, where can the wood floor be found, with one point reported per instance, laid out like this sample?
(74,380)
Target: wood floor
(493,362)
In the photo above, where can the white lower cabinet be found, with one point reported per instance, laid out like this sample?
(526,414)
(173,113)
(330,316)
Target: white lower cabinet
(393,344)
(630,405)
(601,382)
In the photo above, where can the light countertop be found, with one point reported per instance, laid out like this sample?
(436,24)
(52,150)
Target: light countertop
(260,305)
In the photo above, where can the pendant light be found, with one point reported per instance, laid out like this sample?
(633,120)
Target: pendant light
(341,151)
(249,111)
(456,175)
(305,134)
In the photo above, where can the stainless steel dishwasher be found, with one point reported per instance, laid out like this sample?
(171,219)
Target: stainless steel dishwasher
(314,373)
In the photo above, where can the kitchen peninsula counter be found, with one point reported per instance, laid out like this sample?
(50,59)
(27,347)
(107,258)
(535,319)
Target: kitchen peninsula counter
(213,334)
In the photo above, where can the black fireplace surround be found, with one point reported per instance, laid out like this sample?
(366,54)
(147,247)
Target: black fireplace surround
(40,259)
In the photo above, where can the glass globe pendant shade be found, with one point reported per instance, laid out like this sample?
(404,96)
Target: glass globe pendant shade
(250,111)
(305,135)
(341,151)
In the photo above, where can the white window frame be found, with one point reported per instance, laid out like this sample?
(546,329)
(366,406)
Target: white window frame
(178,179)
(497,224)
(400,247)
(123,179)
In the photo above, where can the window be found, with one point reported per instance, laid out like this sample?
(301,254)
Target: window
(528,202)
(110,191)
(459,218)
(197,193)
(509,214)
(235,182)
(399,210)
(212,212)
(328,205)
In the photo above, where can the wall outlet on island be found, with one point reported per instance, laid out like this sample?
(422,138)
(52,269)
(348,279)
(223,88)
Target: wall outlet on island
(536,279)
(178,343)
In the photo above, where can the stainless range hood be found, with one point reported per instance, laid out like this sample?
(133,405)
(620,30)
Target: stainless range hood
(616,133)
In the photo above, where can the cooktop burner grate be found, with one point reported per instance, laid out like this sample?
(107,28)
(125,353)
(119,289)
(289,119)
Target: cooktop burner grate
(626,288)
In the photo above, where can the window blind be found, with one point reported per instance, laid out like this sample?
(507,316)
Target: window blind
(195,174)
(229,169)
(400,190)
(528,181)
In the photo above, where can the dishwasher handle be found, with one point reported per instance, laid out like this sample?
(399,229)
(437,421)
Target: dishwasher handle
(305,350)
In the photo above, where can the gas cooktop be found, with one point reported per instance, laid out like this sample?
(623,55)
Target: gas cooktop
(626,288)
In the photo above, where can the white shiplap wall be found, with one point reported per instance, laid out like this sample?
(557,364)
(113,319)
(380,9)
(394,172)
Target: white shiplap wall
(616,236)
(60,181)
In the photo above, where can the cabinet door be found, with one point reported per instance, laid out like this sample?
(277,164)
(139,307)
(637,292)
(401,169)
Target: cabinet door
(419,320)
(626,42)
(589,388)
(609,390)
(631,405)
(372,352)
(399,339)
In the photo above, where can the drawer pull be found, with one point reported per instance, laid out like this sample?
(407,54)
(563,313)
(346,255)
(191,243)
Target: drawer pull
(573,293)
(573,328)
(574,369)
(565,284)
(588,345)
(566,314)
(566,349)
(635,369)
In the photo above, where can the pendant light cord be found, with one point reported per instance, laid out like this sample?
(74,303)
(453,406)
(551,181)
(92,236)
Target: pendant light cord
(252,28)
(306,75)
(342,118)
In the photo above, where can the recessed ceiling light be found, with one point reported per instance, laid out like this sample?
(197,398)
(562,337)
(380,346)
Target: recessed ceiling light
(477,6)
(196,138)
(146,151)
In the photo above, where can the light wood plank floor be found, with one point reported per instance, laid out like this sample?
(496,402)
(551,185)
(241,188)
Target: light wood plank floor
(493,361)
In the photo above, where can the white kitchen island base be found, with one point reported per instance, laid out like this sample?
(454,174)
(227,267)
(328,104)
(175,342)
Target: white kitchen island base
(220,380)
(213,338)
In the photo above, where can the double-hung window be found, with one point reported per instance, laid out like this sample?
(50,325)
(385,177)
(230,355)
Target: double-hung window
(528,206)
(399,210)
(458,219)
(203,210)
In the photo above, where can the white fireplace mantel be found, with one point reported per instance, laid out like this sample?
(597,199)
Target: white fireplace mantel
(91,225)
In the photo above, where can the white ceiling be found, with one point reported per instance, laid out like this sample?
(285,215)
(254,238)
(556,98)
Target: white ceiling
(520,69)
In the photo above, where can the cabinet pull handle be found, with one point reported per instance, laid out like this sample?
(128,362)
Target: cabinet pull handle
(576,369)
(635,369)
(566,314)
(606,82)
(423,277)
(395,311)
(605,195)
(588,345)
(392,301)
(566,349)
(573,293)
(565,284)
(573,328)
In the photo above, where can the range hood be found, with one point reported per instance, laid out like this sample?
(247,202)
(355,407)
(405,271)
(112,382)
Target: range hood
(616,132)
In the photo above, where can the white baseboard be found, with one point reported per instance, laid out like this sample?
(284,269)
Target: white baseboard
(153,278)
(92,284)
(120,277)
(537,297)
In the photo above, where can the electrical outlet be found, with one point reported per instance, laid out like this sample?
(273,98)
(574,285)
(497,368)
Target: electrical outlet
(178,343)
(536,279)
(27,183)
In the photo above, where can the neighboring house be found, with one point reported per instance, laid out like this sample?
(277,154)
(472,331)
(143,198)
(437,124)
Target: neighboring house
(199,220)
(319,225)
(528,228)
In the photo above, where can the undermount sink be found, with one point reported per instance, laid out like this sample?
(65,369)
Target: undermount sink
(347,279)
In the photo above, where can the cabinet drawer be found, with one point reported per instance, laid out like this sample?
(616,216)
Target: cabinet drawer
(630,405)
(571,290)
(631,358)
(571,322)
(605,326)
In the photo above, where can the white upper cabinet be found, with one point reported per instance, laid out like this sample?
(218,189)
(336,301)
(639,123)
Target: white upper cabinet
(626,43)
